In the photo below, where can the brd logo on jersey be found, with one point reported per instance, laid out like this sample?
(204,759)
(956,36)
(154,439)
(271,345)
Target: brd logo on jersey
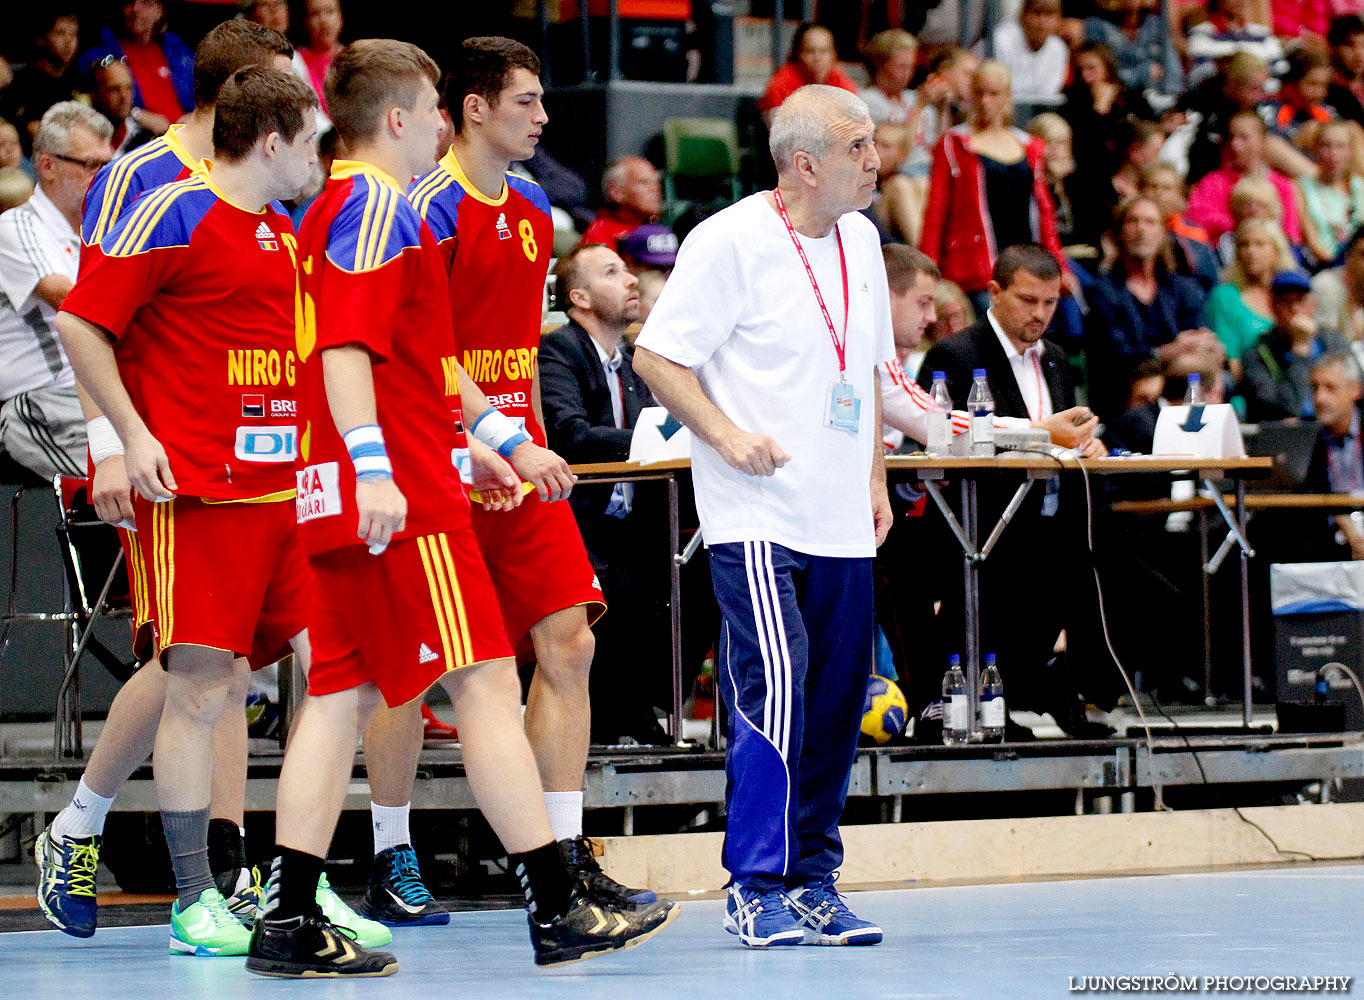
(283,408)
(253,405)
(267,444)
(503,231)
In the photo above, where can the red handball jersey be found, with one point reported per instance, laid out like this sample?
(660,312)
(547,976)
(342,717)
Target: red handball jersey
(201,293)
(497,254)
(121,182)
(370,274)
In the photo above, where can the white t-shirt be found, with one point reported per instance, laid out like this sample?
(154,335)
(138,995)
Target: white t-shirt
(1034,73)
(36,240)
(739,310)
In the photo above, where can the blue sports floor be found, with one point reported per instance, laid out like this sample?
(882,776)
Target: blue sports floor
(1005,941)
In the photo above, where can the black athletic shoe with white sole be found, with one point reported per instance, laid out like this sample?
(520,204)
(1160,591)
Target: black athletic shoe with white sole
(592,927)
(396,895)
(312,947)
(580,857)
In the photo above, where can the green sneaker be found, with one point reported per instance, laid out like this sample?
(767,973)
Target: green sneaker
(207,928)
(368,934)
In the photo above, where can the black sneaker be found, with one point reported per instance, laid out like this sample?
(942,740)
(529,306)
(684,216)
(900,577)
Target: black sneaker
(311,947)
(580,858)
(396,895)
(592,927)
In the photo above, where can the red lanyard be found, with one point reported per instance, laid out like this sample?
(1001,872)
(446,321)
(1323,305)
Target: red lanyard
(840,347)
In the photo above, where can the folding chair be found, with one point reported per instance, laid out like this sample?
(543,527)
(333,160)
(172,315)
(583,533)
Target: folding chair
(704,153)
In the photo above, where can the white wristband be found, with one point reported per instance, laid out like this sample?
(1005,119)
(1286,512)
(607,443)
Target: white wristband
(498,431)
(103,439)
(368,453)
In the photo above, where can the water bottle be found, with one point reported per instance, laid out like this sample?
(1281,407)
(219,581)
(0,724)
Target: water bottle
(956,705)
(991,702)
(981,405)
(940,417)
(1193,395)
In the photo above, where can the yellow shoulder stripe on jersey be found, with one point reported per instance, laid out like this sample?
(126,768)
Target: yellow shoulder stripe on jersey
(384,225)
(116,190)
(434,184)
(142,223)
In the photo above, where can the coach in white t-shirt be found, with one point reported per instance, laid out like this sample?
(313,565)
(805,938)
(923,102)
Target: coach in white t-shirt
(41,426)
(766,342)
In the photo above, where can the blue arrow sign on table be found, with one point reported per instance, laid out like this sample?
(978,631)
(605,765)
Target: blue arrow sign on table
(1195,422)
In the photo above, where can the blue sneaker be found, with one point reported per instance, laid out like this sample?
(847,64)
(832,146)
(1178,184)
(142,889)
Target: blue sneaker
(827,919)
(396,896)
(762,918)
(66,882)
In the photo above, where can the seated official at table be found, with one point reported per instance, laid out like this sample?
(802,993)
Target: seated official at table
(591,398)
(1030,380)
(1276,379)
(1337,464)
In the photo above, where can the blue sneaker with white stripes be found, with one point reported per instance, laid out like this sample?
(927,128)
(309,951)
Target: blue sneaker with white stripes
(763,918)
(826,919)
(396,895)
(66,882)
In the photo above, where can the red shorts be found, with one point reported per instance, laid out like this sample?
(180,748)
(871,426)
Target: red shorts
(536,559)
(224,575)
(402,618)
(139,589)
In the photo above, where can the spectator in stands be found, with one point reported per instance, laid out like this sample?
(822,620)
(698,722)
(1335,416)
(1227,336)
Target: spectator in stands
(12,150)
(890,57)
(322,21)
(898,207)
(1058,167)
(1142,308)
(49,77)
(1251,198)
(1096,104)
(649,247)
(1276,374)
(112,97)
(16,187)
(1210,198)
(592,398)
(41,425)
(1136,146)
(988,190)
(1346,93)
(1303,91)
(946,91)
(1238,310)
(1332,204)
(1193,252)
(274,14)
(634,196)
(650,287)
(954,313)
(1032,50)
(1139,43)
(812,59)
(161,63)
(1230,28)
(1339,292)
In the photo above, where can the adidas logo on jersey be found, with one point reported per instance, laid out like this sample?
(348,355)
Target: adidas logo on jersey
(503,231)
(426,654)
(265,238)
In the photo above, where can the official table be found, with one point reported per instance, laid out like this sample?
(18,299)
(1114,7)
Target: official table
(930,470)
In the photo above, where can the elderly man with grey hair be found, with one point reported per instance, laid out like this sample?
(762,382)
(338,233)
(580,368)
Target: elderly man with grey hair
(766,343)
(41,426)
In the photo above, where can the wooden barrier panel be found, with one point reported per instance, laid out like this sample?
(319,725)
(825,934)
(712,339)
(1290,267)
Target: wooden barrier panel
(1005,850)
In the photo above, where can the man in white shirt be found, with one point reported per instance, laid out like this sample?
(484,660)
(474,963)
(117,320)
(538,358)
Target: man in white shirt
(766,342)
(1035,54)
(41,426)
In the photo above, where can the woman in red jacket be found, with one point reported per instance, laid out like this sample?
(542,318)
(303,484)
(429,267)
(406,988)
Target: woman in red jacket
(987,191)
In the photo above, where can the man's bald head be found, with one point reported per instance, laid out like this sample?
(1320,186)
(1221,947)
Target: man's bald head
(807,120)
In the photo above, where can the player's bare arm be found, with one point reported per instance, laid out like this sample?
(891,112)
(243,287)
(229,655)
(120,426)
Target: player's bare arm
(881,513)
(348,375)
(680,392)
(110,491)
(546,471)
(92,359)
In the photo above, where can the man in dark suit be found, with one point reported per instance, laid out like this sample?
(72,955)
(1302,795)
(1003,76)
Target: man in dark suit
(591,398)
(1032,585)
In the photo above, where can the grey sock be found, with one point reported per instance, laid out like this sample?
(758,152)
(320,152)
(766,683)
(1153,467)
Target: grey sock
(187,838)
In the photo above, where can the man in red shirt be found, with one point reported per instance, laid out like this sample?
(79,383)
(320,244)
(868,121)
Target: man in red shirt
(634,196)
(495,232)
(400,598)
(177,330)
(71,844)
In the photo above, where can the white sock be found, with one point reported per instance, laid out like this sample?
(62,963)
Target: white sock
(390,826)
(565,814)
(83,817)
